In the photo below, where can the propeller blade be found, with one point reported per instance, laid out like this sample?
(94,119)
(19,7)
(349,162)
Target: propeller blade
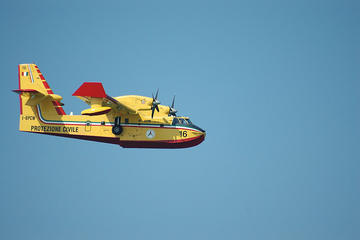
(155,103)
(172,110)
(173,102)
(152,112)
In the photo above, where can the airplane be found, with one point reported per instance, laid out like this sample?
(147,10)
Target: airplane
(130,121)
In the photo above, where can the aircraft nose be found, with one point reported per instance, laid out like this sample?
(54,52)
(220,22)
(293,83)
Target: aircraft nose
(200,133)
(199,128)
(202,130)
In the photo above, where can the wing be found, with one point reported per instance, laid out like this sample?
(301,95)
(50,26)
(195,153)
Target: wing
(93,93)
(120,106)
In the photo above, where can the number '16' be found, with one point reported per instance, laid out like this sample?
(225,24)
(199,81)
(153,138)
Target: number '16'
(183,133)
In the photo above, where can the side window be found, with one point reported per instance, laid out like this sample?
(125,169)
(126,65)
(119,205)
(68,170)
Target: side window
(175,121)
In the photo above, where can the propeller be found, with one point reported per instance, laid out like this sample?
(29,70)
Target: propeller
(155,103)
(172,110)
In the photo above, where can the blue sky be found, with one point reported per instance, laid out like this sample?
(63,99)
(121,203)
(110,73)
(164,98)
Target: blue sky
(274,83)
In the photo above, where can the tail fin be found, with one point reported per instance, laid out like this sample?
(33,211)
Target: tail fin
(34,91)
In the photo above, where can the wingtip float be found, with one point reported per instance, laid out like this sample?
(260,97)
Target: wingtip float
(129,121)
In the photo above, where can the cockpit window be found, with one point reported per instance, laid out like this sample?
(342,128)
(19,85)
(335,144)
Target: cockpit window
(181,121)
(175,121)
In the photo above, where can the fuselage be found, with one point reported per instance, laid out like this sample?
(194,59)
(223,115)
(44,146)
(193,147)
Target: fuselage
(141,126)
(159,132)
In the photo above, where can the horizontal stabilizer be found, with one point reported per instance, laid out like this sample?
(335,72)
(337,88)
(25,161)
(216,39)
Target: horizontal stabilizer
(19,91)
(37,97)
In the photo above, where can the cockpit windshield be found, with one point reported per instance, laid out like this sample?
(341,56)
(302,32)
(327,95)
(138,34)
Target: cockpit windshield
(181,121)
(175,121)
(185,122)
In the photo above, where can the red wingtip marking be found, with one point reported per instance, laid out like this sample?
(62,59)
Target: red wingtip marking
(90,89)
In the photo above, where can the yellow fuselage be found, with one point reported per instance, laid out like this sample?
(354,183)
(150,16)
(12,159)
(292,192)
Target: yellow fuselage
(138,129)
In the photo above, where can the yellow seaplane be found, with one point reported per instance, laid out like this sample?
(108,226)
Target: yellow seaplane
(129,121)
